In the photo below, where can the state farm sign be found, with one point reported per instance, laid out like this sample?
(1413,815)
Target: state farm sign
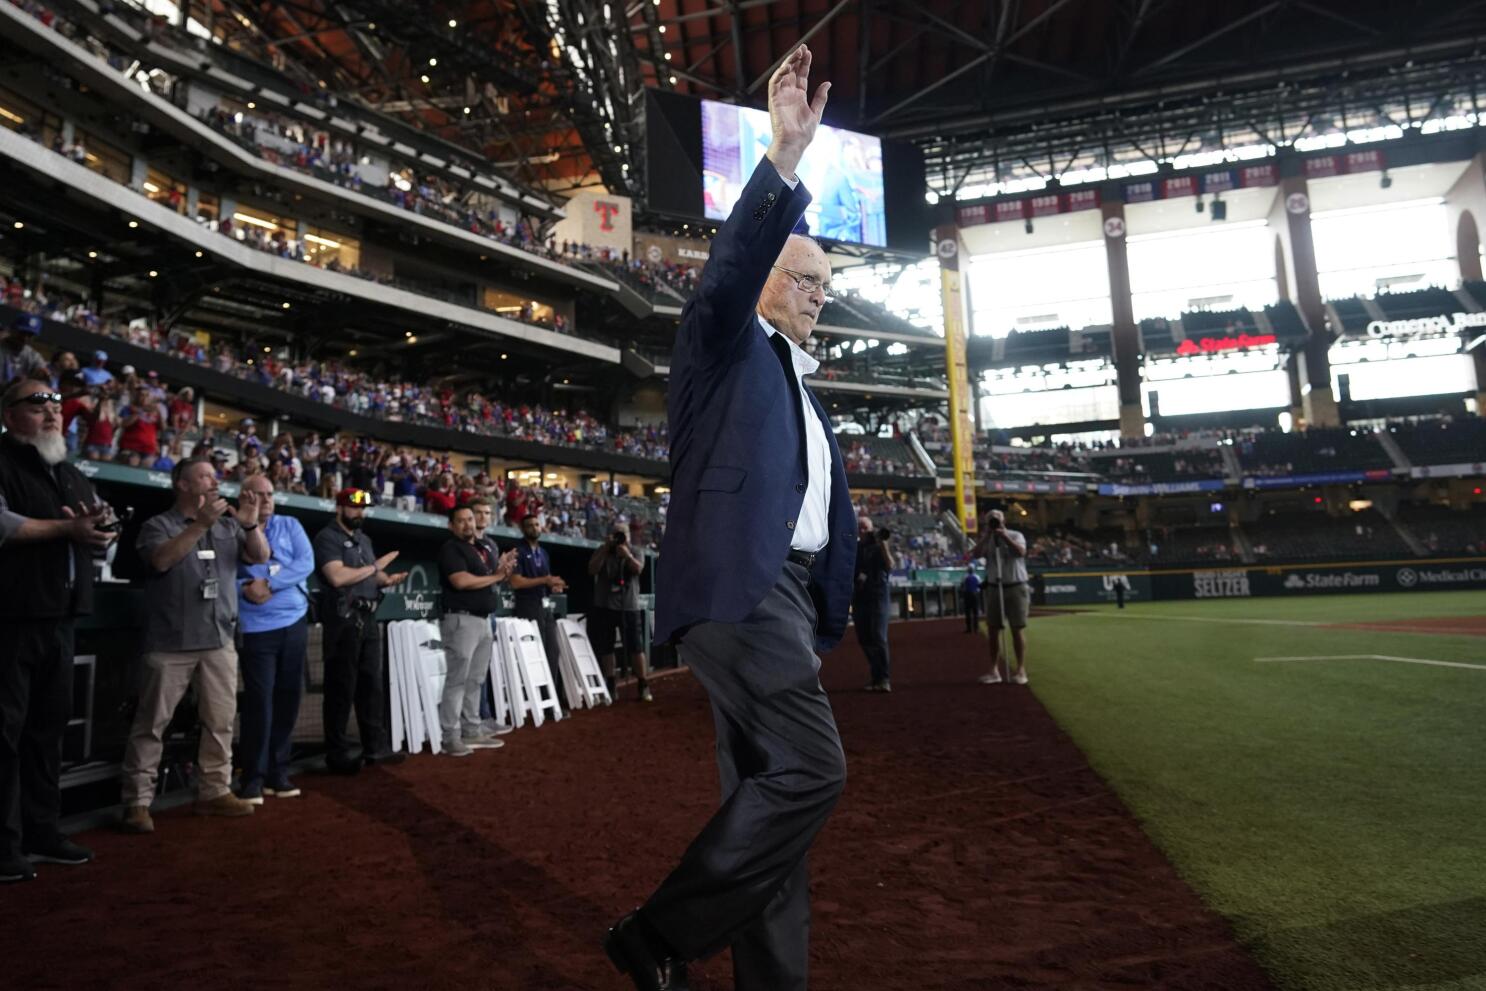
(1213,345)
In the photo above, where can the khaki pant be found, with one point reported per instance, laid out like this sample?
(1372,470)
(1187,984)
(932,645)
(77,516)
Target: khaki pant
(166,676)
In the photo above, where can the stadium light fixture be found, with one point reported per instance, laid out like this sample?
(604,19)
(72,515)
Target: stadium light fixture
(673,80)
(662,29)
(285,306)
(133,224)
(412,339)
(433,62)
(92,254)
(453,23)
(423,79)
(19,225)
(200,254)
(668,56)
(154,274)
(352,352)
(503,356)
(252,105)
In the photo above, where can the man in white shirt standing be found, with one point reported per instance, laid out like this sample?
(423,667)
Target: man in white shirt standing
(1008,598)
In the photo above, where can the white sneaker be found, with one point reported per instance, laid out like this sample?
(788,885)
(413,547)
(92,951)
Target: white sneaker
(483,743)
(994,678)
(493,728)
(456,748)
(1020,678)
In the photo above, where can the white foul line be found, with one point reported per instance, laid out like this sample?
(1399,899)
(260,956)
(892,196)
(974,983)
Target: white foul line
(1378,657)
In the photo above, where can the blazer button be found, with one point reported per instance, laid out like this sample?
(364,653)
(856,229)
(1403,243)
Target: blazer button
(799,486)
(790,524)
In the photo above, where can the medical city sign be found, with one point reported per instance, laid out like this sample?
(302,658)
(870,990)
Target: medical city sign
(1214,345)
(1442,324)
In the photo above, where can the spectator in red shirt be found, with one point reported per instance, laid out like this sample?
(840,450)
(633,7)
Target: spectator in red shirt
(141,422)
(439,498)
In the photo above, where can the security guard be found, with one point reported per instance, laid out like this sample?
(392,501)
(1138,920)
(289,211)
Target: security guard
(351,580)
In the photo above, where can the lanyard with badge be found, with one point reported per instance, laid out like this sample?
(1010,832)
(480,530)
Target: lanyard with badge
(209,586)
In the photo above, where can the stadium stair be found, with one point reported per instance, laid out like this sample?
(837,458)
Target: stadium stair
(1390,513)
(1232,469)
(921,455)
(952,530)
(1245,546)
(1400,459)
(1468,303)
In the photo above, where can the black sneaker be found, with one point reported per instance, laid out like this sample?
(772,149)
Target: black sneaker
(14,869)
(385,758)
(59,851)
(252,793)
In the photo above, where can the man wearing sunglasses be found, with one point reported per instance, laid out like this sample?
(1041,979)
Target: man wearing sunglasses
(755,575)
(51,523)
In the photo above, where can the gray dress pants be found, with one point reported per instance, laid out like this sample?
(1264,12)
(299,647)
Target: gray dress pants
(744,880)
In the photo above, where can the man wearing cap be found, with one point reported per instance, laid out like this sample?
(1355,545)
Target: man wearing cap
(275,601)
(97,374)
(532,583)
(50,527)
(469,570)
(754,577)
(18,359)
(351,580)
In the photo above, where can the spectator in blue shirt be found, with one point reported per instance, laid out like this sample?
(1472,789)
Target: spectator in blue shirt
(97,374)
(274,606)
(970,590)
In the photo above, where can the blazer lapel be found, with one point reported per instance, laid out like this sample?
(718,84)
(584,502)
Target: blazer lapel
(786,363)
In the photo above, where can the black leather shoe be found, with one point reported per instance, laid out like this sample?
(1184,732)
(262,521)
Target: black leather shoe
(343,763)
(59,851)
(633,954)
(16,869)
(386,758)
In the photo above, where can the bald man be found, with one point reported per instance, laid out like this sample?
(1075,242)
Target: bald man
(758,556)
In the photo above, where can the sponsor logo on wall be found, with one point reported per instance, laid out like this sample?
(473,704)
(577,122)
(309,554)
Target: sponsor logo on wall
(1414,578)
(1312,581)
(1226,584)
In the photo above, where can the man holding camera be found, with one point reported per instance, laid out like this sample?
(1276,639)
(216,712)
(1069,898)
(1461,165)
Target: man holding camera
(869,603)
(351,581)
(469,570)
(191,552)
(1008,599)
(51,524)
(616,608)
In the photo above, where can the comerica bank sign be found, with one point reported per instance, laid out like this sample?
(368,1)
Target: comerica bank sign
(1441,324)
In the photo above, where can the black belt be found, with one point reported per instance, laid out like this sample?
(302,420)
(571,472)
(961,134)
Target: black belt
(467,612)
(803,559)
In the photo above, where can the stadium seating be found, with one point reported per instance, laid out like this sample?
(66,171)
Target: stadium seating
(1315,536)
(1164,466)
(1428,302)
(1443,441)
(1314,451)
(1194,545)
(1442,530)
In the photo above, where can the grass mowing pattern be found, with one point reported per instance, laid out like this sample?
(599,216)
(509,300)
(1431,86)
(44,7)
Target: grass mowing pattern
(1335,811)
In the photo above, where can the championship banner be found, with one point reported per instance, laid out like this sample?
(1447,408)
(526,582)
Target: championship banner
(961,422)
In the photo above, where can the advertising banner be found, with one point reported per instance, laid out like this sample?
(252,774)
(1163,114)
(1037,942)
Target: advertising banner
(1162,488)
(1287,580)
(1066,588)
(1317,478)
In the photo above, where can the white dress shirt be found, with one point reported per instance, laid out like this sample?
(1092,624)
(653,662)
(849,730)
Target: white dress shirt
(812,527)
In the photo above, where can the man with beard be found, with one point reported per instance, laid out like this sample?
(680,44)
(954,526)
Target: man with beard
(351,579)
(469,570)
(532,583)
(51,523)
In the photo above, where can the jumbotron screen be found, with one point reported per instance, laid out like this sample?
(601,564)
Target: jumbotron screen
(842,170)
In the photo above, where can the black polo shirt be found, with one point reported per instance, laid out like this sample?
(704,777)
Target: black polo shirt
(476,558)
(354,551)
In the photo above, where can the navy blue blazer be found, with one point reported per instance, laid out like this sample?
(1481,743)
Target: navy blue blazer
(737,436)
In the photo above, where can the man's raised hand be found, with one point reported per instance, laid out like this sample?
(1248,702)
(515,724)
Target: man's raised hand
(83,525)
(793,116)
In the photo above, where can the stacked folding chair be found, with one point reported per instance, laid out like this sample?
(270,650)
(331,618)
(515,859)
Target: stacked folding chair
(580,668)
(532,689)
(416,670)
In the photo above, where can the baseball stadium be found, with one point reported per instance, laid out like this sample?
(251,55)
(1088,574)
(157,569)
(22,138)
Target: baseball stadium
(1093,598)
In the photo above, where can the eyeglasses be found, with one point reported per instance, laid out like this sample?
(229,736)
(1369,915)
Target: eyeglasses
(39,399)
(809,283)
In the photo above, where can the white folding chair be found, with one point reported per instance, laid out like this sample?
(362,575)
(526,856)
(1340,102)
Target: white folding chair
(583,666)
(539,693)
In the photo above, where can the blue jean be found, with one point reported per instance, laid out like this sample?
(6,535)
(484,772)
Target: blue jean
(273,681)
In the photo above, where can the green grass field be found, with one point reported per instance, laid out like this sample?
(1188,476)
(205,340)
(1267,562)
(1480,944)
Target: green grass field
(1333,810)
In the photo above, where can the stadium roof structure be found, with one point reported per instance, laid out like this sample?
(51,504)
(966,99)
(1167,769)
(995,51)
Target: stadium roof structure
(999,90)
